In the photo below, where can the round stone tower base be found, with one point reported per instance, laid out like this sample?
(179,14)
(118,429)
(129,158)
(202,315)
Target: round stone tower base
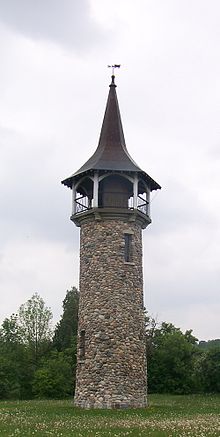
(111,351)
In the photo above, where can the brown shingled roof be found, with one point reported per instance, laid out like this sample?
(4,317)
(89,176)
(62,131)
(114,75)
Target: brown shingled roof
(111,153)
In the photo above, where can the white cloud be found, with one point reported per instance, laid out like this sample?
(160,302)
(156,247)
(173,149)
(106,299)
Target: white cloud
(67,23)
(33,265)
(53,89)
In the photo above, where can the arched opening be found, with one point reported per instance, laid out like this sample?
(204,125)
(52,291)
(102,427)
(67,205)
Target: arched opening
(114,192)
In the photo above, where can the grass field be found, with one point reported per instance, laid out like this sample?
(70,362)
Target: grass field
(166,416)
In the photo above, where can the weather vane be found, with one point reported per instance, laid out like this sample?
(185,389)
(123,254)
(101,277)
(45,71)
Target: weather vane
(113,68)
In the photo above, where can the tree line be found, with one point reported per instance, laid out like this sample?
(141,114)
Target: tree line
(37,361)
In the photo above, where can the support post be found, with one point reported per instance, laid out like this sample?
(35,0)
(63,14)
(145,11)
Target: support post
(148,201)
(73,199)
(135,190)
(95,190)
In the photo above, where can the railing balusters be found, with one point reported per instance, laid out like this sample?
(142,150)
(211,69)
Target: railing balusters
(84,204)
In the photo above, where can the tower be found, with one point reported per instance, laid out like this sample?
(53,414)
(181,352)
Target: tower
(111,197)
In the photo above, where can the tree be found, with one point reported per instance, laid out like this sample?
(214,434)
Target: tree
(150,327)
(35,324)
(65,335)
(210,344)
(171,363)
(14,368)
(54,377)
(28,365)
(9,380)
(10,330)
(66,329)
(210,371)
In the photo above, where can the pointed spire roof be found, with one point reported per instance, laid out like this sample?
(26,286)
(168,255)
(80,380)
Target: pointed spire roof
(111,153)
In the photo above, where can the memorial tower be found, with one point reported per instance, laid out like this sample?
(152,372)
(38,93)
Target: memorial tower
(111,200)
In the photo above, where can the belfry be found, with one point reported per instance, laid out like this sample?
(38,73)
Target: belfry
(111,197)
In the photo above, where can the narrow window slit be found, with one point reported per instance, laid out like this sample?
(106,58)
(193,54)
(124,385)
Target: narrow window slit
(82,345)
(128,247)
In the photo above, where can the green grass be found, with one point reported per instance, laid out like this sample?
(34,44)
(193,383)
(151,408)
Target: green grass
(195,415)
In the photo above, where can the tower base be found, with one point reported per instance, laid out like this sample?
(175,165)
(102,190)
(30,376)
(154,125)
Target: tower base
(111,351)
(111,404)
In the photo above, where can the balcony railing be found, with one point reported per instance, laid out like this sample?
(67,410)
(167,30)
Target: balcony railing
(143,205)
(112,200)
(82,204)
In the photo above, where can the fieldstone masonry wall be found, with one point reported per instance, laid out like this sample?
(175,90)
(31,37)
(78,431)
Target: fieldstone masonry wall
(111,368)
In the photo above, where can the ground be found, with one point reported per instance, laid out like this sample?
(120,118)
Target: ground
(167,415)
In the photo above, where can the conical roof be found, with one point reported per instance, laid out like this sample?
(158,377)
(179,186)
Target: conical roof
(111,153)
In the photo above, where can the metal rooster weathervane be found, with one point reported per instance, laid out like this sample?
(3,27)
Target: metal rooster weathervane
(113,68)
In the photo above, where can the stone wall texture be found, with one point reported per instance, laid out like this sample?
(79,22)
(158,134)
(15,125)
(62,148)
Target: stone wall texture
(111,358)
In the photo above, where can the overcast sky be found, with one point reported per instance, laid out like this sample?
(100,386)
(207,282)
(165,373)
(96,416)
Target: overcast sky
(53,89)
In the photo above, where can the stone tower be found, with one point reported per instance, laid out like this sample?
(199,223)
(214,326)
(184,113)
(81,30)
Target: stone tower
(111,206)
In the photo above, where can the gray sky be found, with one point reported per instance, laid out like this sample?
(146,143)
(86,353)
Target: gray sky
(53,90)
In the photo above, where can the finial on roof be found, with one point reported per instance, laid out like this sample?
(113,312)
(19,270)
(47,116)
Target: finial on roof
(113,81)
